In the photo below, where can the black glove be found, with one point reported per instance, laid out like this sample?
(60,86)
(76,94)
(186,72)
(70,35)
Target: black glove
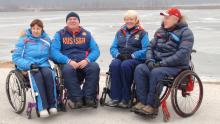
(34,66)
(151,64)
(123,57)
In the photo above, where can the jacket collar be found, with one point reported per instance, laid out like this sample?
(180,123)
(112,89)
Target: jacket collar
(134,31)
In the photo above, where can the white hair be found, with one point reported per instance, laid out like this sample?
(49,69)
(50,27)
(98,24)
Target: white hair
(131,14)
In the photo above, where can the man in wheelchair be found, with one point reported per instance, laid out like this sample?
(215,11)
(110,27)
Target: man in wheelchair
(168,53)
(75,48)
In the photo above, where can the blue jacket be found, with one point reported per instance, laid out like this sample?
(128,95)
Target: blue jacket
(134,42)
(173,47)
(31,50)
(67,46)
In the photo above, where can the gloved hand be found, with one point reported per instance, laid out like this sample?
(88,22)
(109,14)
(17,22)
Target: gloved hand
(34,68)
(123,57)
(151,64)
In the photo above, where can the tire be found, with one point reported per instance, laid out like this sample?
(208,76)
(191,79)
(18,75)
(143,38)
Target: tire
(16,78)
(178,87)
(59,84)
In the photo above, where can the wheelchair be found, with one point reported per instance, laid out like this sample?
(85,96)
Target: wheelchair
(17,84)
(106,92)
(185,90)
(62,94)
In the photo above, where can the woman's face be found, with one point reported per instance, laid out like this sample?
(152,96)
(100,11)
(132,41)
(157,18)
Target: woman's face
(170,21)
(130,22)
(36,31)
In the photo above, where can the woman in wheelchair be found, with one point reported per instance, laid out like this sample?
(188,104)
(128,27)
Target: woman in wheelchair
(167,54)
(32,52)
(128,50)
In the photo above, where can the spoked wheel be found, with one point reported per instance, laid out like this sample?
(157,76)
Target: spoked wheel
(16,91)
(133,100)
(103,96)
(187,93)
(60,89)
(106,89)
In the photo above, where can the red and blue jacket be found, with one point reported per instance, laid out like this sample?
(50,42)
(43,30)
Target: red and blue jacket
(76,46)
(134,42)
(32,50)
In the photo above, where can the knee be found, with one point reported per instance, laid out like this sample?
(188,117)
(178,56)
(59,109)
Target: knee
(141,69)
(126,64)
(67,69)
(156,71)
(94,67)
(46,72)
(115,63)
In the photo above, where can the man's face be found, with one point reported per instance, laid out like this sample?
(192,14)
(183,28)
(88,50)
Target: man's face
(170,21)
(130,22)
(72,22)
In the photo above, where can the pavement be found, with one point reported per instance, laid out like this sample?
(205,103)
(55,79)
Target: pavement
(208,112)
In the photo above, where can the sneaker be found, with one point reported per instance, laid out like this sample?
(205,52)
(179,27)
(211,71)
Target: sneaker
(123,104)
(149,110)
(113,103)
(44,113)
(53,111)
(137,107)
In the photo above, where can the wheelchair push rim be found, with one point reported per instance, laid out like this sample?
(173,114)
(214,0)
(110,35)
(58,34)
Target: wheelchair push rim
(187,94)
(15,91)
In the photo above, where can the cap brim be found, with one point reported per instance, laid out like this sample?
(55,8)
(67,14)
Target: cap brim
(164,14)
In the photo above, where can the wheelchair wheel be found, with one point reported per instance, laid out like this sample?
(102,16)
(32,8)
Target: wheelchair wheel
(106,89)
(61,93)
(133,100)
(187,93)
(15,91)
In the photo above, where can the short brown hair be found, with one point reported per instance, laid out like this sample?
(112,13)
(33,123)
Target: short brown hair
(37,22)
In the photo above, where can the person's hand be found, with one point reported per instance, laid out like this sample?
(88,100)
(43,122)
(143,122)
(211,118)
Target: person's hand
(150,64)
(83,63)
(123,57)
(74,64)
(34,66)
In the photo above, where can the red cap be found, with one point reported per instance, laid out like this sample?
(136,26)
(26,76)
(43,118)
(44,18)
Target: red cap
(172,11)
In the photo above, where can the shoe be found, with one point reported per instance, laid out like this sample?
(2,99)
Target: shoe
(137,107)
(90,102)
(123,104)
(53,111)
(149,110)
(44,113)
(113,103)
(75,105)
